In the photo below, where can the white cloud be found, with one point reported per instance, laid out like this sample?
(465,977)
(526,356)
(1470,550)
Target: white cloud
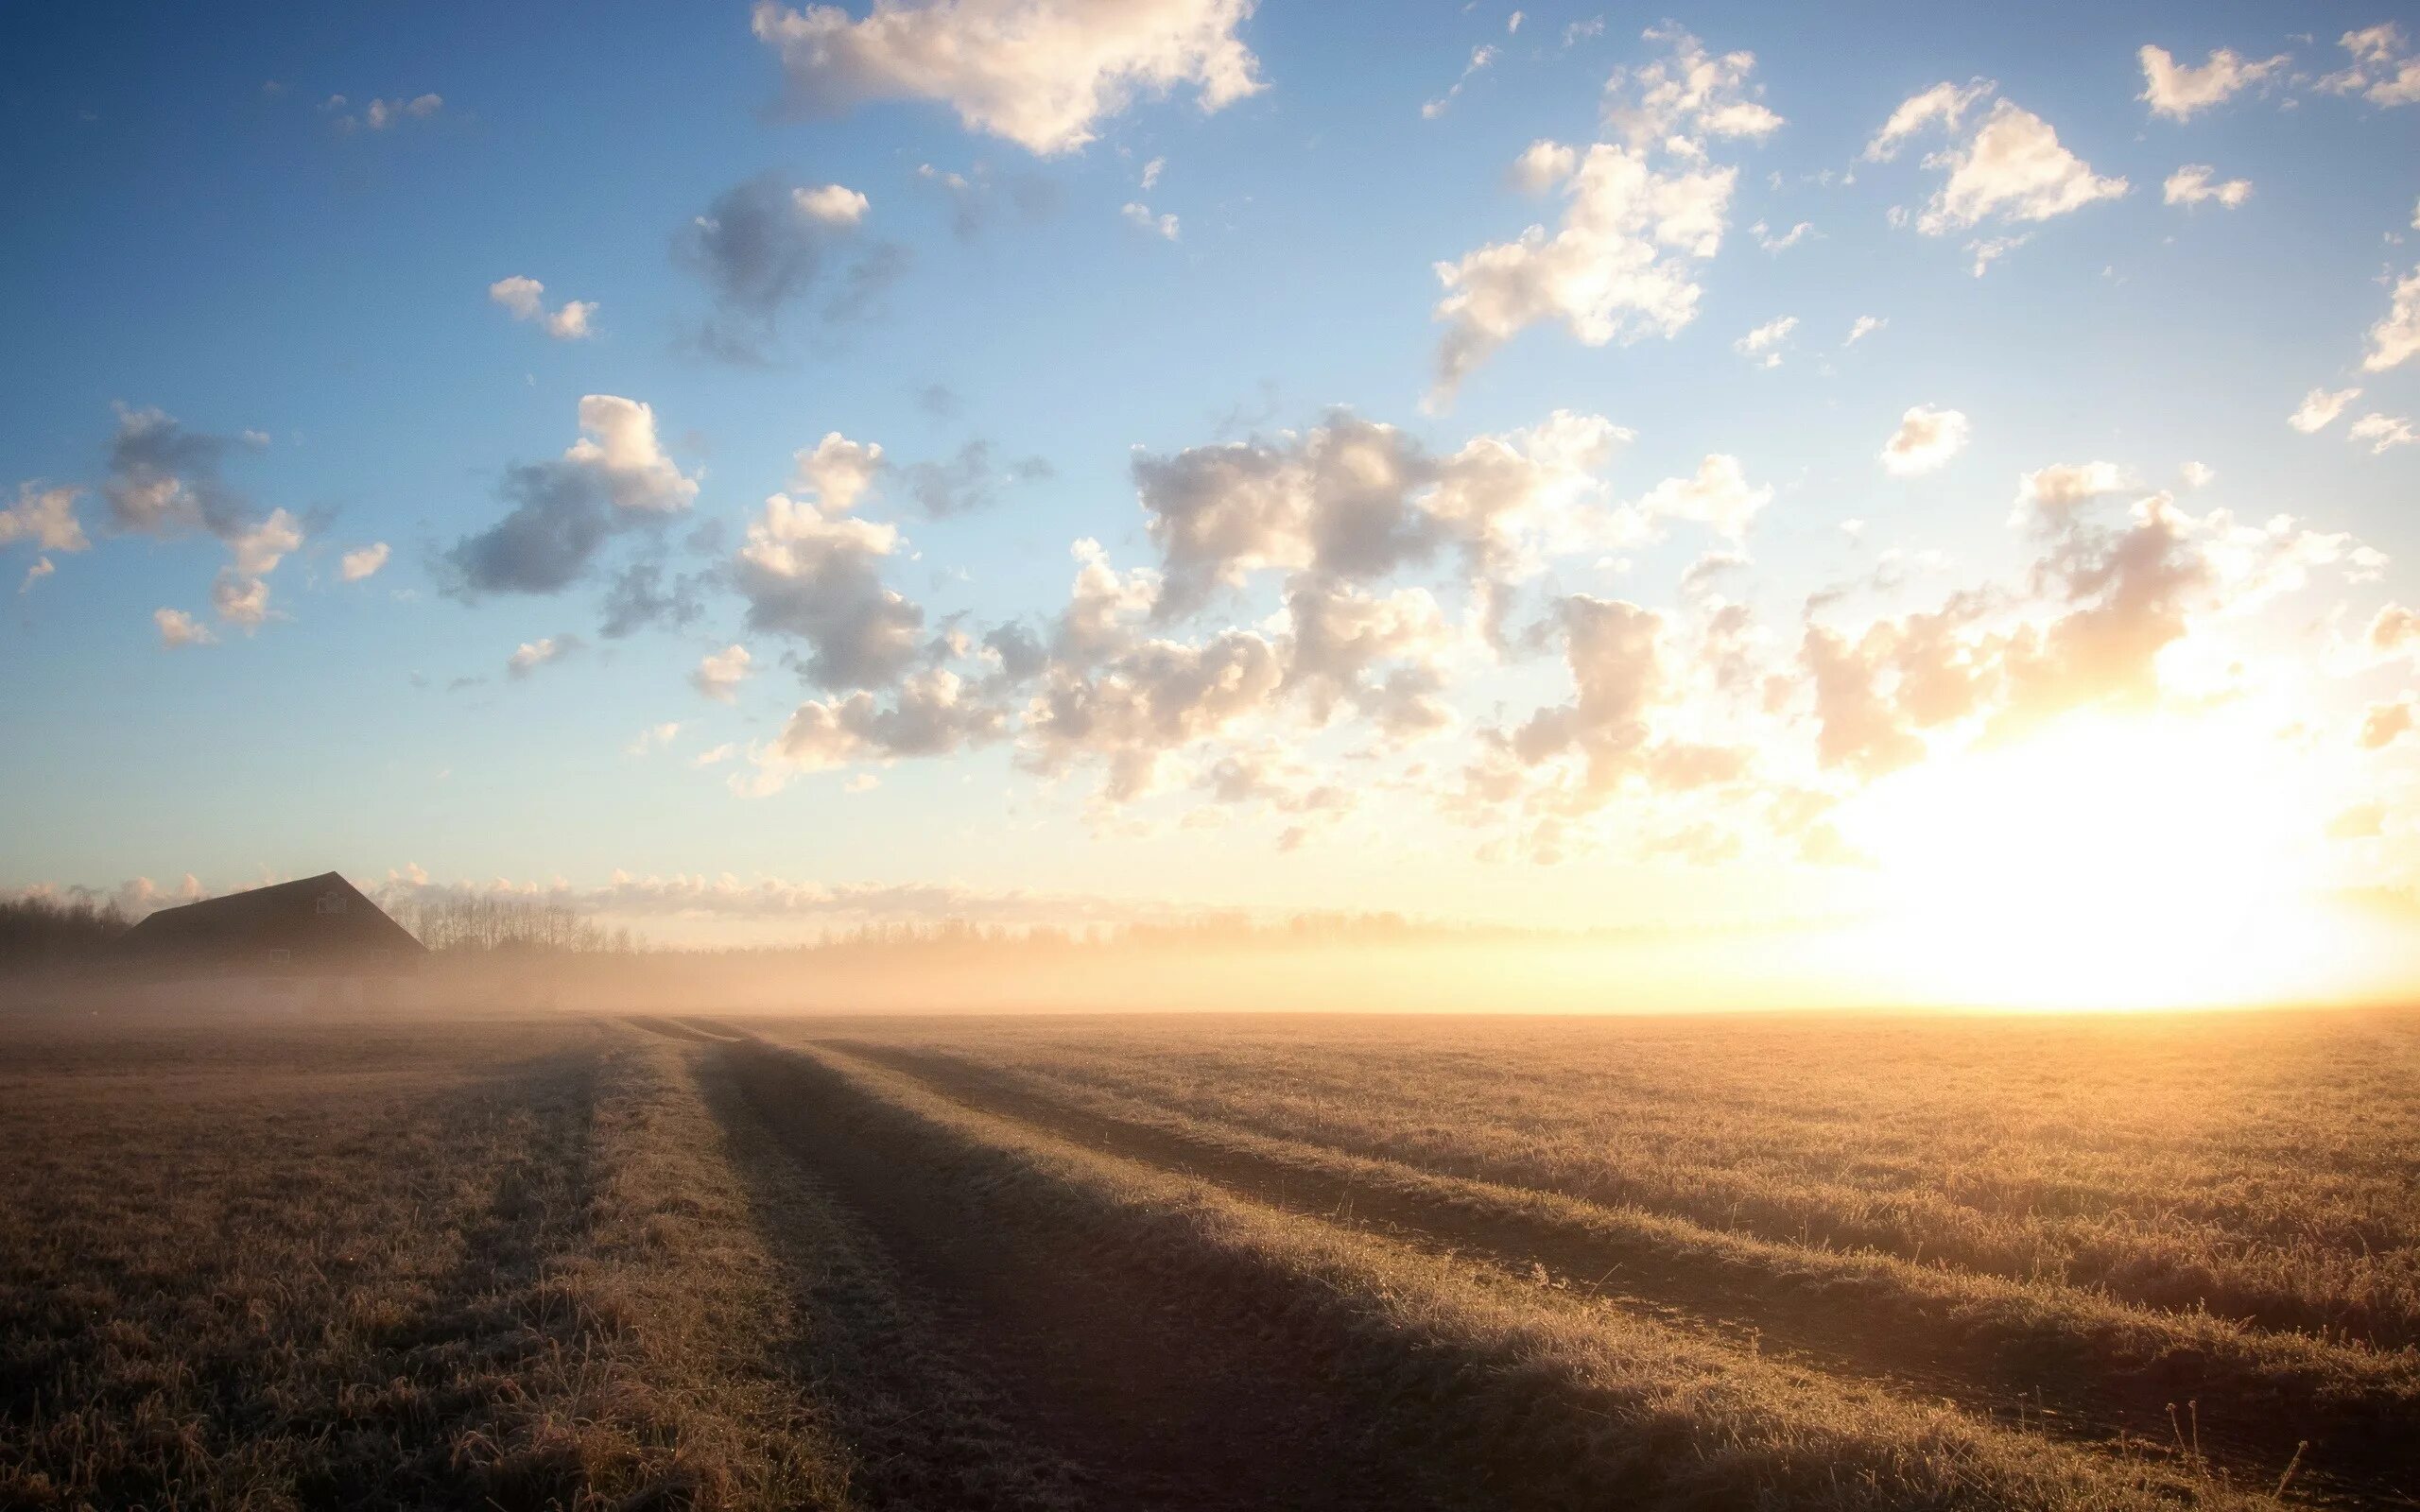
(1480,58)
(1944,103)
(1718,495)
(177,627)
(1619,266)
(535,654)
(570,323)
(1140,215)
(654,737)
(1618,269)
(1784,242)
(1865,325)
(2053,495)
(620,449)
(258,548)
(40,569)
(2320,409)
(812,570)
(2012,167)
(2397,337)
(2381,432)
(2190,185)
(2383,70)
(381,113)
(720,672)
(1151,172)
(1764,343)
(1512,23)
(1542,164)
(837,471)
(1041,73)
(240,600)
(716,755)
(45,516)
(1689,92)
(2197,474)
(361,563)
(833,204)
(1989,250)
(934,714)
(2177,90)
(1927,438)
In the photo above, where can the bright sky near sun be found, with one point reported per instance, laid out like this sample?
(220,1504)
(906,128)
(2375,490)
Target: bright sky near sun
(1944,477)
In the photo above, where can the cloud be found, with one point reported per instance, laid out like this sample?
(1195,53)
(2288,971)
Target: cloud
(2010,168)
(1140,215)
(1617,270)
(240,600)
(716,755)
(1542,166)
(832,204)
(615,477)
(2382,71)
(2320,409)
(45,517)
(1480,58)
(363,562)
(975,196)
(1156,698)
(765,245)
(810,569)
(1718,496)
(177,628)
(381,113)
(1619,266)
(2381,431)
(2397,337)
(526,299)
(1150,176)
(2191,185)
(968,481)
(1687,92)
(2384,723)
(654,737)
(164,479)
(1863,326)
(1944,103)
(1990,249)
(1927,438)
(1765,342)
(639,597)
(535,654)
(720,672)
(259,548)
(1041,73)
(1771,243)
(2177,90)
(41,568)
(932,715)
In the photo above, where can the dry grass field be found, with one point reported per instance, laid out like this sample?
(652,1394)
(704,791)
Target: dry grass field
(666,1260)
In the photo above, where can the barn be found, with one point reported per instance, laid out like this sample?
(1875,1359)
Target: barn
(321,936)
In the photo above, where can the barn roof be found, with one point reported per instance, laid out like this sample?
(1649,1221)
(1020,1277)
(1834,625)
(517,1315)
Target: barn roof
(322,916)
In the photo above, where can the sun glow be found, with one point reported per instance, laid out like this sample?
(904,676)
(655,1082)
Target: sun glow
(2110,862)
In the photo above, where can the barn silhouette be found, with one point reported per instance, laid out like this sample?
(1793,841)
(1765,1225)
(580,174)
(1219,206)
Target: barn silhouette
(320,928)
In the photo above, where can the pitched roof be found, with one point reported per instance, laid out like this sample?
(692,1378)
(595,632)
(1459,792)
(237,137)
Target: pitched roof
(288,916)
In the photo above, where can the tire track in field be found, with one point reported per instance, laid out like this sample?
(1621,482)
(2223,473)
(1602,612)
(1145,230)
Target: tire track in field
(1158,1394)
(2049,1386)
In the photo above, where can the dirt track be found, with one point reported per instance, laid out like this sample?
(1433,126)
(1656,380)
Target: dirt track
(1127,1391)
(1796,1317)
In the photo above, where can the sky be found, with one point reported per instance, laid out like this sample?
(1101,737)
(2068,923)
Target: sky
(1939,485)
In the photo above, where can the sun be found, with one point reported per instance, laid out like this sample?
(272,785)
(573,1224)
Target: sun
(2108,862)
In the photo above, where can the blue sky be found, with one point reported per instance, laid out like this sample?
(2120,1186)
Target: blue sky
(196,230)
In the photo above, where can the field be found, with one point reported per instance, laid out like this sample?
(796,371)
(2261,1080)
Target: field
(530,1259)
